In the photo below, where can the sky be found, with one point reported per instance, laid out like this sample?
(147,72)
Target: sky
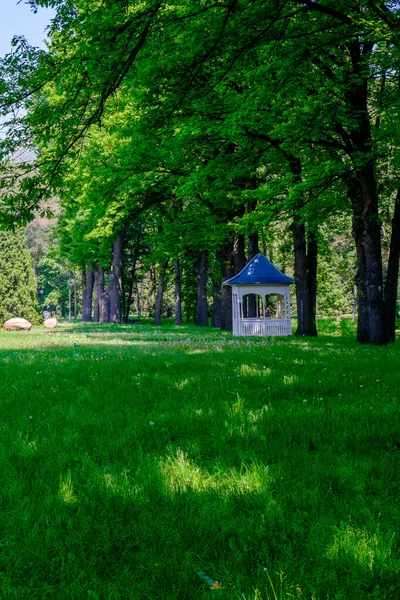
(18,19)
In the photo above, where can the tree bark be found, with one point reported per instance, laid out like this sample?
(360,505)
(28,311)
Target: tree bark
(228,271)
(216,317)
(305,267)
(359,143)
(87,294)
(373,258)
(75,297)
(83,279)
(202,304)
(178,302)
(233,262)
(160,293)
(305,264)
(312,263)
(96,303)
(253,250)
(392,277)
(360,281)
(253,244)
(138,301)
(150,296)
(104,308)
(115,282)
(239,257)
(132,277)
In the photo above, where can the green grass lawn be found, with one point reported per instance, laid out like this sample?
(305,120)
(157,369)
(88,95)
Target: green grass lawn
(147,455)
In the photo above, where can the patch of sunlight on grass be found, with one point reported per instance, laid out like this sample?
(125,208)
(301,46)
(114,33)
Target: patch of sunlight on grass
(66,489)
(254,370)
(180,385)
(353,545)
(180,474)
(28,447)
(120,485)
(290,379)
(256,415)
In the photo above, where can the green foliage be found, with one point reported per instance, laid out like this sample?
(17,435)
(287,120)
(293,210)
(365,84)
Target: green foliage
(17,281)
(336,269)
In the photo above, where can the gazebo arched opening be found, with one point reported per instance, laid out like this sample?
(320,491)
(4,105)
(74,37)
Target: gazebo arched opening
(260,300)
(252,306)
(274,306)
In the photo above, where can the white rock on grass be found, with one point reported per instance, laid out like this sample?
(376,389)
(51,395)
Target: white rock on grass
(50,323)
(17,324)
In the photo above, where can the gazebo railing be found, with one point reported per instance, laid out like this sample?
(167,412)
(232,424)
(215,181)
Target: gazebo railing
(261,326)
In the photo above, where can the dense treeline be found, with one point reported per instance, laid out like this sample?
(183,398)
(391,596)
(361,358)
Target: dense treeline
(17,279)
(178,134)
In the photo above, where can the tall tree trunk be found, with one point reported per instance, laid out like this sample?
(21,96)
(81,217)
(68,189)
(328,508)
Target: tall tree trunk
(87,296)
(104,307)
(131,287)
(360,281)
(100,292)
(75,297)
(253,250)
(216,317)
(312,263)
(138,300)
(128,302)
(160,293)
(202,304)
(359,143)
(115,285)
(83,279)
(233,262)
(253,244)
(149,303)
(228,271)
(392,277)
(96,294)
(178,301)
(354,193)
(239,257)
(373,257)
(305,265)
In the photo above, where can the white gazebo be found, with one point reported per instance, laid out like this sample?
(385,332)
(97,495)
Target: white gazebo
(260,299)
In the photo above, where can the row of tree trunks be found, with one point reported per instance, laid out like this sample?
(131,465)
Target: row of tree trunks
(105,304)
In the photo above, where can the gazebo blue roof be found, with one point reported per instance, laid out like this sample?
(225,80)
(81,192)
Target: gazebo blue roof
(259,271)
